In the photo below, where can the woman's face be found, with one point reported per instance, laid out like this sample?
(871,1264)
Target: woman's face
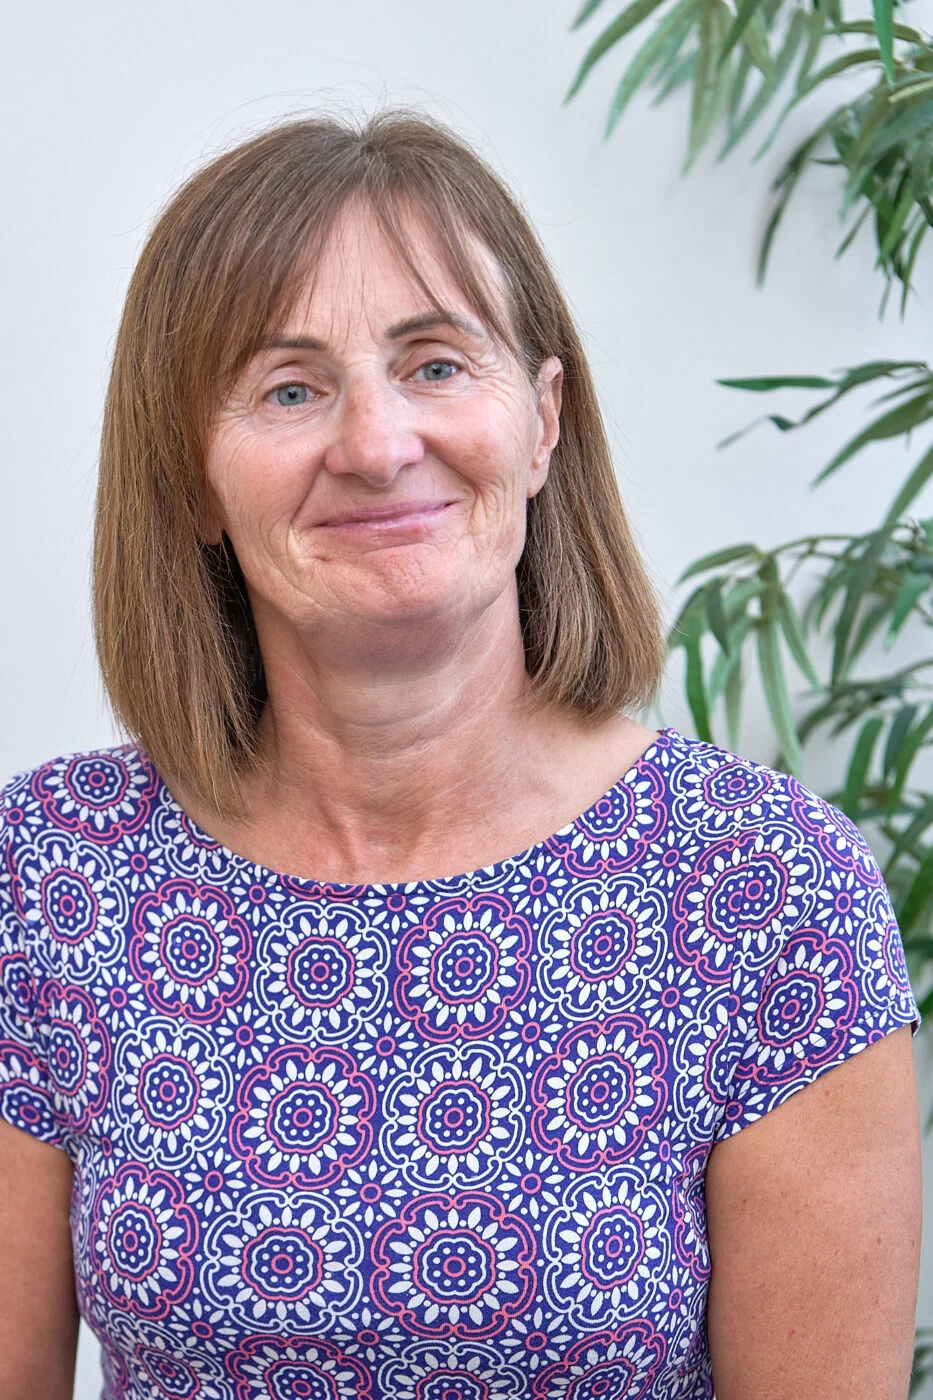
(373,463)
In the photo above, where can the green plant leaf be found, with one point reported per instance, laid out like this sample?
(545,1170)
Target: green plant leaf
(681,74)
(671,55)
(906,91)
(710,82)
(816,33)
(867,26)
(859,579)
(857,773)
(725,662)
(673,27)
(815,718)
(694,685)
(716,615)
(755,43)
(908,272)
(785,184)
(854,59)
(896,735)
(743,70)
(895,423)
(918,896)
(745,11)
(775,687)
(786,381)
(851,379)
(846,242)
(804,151)
(912,589)
(909,836)
(897,131)
(677,633)
(589,8)
(733,698)
(793,635)
(718,558)
(895,230)
(910,747)
(909,388)
(625,22)
(769,86)
(883,11)
(740,595)
(869,623)
(908,493)
(921,160)
(871,121)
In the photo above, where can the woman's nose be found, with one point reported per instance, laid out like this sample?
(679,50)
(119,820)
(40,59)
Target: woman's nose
(373,435)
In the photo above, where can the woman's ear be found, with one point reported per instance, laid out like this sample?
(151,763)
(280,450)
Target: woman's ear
(547,390)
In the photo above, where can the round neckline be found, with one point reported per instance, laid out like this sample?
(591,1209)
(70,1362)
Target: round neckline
(344,888)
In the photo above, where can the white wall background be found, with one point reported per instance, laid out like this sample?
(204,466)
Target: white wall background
(105,107)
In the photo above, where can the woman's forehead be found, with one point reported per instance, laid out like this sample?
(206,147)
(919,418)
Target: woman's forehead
(359,268)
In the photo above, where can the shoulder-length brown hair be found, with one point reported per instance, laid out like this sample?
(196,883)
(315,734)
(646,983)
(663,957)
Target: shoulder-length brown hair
(174,632)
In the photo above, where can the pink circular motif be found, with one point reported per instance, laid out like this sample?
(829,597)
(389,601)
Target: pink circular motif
(305,1116)
(190,950)
(734,785)
(585,1093)
(453,1265)
(463,968)
(446,1384)
(616,1362)
(295,1367)
(807,1005)
(100,795)
(834,834)
(732,888)
(143,1237)
(602,945)
(173,1377)
(613,834)
(69,904)
(79,1049)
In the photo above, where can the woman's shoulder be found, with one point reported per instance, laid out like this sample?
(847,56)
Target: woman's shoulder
(725,792)
(727,809)
(100,794)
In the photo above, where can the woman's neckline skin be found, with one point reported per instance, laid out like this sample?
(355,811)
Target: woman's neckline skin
(527,854)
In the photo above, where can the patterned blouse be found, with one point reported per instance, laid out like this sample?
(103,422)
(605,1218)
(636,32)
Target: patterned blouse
(439,1140)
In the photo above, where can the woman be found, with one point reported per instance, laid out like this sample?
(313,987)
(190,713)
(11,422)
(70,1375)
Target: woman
(334,1117)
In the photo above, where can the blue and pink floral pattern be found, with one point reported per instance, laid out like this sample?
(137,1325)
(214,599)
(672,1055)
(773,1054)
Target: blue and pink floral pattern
(442,1140)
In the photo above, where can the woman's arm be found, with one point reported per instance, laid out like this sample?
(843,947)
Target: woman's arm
(814,1215)
(38,1307)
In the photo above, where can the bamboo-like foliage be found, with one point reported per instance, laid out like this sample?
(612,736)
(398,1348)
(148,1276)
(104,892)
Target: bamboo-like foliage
(868,586)
(874,585)
(741,62)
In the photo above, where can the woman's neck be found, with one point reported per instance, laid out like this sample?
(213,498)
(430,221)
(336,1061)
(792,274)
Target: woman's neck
(378,771)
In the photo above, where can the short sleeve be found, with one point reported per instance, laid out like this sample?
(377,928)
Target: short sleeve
(26,1092)
(827,979)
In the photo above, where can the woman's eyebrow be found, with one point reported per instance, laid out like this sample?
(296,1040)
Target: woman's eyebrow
(432,319)
(429,320)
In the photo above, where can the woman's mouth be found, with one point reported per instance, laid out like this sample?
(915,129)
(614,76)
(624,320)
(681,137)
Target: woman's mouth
(403,515)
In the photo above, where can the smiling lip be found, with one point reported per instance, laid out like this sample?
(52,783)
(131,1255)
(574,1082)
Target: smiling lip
(404,512)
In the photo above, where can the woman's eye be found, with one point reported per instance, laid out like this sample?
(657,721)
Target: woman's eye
(291,395)
(435,370)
